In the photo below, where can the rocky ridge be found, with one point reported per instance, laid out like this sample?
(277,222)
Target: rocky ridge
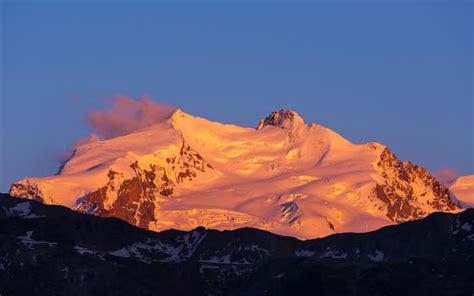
(87,255)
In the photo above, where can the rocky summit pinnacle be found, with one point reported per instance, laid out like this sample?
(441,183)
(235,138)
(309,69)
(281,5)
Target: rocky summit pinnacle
(283,118)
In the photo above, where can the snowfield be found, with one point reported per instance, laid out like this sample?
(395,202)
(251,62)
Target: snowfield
(463,189)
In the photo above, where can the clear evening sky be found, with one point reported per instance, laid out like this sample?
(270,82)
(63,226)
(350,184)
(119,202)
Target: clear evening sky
(400,74)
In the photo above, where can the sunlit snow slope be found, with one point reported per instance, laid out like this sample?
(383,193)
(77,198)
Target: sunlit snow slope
(463,189)
(286,176)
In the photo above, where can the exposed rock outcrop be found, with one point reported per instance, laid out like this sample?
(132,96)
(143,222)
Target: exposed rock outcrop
(283,118)
(409,190)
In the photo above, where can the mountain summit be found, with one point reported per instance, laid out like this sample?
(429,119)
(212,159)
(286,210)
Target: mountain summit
(302,180)
(283,118)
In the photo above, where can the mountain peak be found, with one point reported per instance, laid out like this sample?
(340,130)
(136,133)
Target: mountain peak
(178,113)
(283,118)
(179,117)
(289,178)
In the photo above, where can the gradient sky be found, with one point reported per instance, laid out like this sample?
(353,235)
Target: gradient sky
(400,74)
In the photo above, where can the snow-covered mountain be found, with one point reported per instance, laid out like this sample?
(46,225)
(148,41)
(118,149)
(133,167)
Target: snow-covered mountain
(286,176)
(463,189)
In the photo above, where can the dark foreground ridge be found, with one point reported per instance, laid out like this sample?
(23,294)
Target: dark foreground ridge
(51,250)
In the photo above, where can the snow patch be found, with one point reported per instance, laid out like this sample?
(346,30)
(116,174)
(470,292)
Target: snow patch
(124,253)
(183,248)
(334,255)
(379,255)
(23,210)
(29,242)
(304,253)
(206,266)
(246,254)
(279,276)
(83,251)
(220,260)
(466,226)
(66,272)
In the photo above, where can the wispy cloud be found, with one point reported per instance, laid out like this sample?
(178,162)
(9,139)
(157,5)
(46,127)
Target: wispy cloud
(446,175)
(127,115)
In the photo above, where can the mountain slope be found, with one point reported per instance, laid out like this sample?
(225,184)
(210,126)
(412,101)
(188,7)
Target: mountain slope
(52,250)
(286,176)
(463,189)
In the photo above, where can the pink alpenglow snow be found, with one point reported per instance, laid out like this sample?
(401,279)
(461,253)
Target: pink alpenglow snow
(175,170)
(463,189)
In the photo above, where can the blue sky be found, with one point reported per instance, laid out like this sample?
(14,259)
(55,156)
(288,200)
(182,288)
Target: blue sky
(400,74)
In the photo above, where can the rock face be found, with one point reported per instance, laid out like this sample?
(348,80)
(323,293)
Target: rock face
(51,250)
(27,189)
(409,191)
(288,177)
(135,199)
(282,118)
